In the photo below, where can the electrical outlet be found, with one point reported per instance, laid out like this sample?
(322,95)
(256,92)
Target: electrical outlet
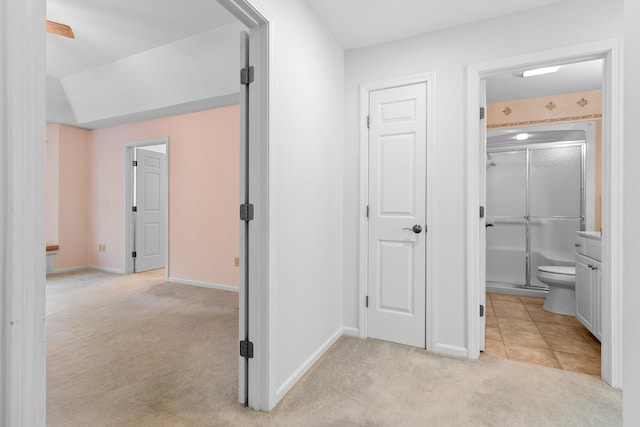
(102,247)
(236,261)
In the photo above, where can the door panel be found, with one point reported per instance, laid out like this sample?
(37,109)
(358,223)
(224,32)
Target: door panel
(507,251)
(555,186)
(506,184)
(150,217)
(397,201)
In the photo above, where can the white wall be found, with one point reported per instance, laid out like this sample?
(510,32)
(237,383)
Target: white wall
(631,275)
(447,53)
(306,193)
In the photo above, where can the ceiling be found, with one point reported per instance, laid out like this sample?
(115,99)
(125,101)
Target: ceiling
(112,65)
(570,78)
(360,23)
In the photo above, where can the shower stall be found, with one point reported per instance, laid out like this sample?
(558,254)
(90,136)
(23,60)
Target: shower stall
(535,186)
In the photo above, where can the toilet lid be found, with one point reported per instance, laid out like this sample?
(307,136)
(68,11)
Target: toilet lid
(558,269)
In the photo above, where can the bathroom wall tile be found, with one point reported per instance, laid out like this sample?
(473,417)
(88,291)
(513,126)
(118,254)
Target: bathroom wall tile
(573,346)
(579,363)
(539,356)
(565,331)
(523,338)
(494,348)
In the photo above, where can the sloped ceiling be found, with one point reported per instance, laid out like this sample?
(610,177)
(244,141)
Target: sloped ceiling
(139,59)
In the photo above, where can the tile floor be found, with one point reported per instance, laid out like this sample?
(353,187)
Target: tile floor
(518,328)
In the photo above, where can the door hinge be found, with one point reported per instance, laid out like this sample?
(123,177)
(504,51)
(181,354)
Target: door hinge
(481,113)
(246,212)
(134,254)
(481,310)
(134,209)
(368,122)
(481,211)
(366,301)
(367,211)
(246,75)
(135,163)
(246,349)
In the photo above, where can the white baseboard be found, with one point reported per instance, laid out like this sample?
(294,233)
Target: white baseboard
(451,350)
(350,332)
(295,377)
(203,284)
(88,267)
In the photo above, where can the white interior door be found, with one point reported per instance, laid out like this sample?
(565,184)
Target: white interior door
(397,221)
(150,245)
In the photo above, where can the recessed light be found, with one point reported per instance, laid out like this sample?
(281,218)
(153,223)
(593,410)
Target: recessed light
(522,136)
(540,71)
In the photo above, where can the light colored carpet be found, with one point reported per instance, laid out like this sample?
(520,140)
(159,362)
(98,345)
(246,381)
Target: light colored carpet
(135,351)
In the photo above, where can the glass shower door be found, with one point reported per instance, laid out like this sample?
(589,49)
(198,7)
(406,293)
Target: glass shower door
(556,206)
(506,210)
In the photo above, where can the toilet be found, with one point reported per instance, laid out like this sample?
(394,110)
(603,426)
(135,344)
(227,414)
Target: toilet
(561,279)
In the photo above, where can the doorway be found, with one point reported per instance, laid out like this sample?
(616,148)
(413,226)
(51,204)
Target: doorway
(396,189)
(146,205)
(610,52)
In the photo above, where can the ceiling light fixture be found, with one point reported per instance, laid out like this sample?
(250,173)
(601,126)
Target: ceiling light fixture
(540,71)
(522,136)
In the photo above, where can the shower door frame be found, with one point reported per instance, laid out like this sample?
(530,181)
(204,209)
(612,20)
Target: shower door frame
(510,147)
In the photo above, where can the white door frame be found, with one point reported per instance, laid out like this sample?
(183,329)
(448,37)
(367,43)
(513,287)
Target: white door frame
(430,234)
(613,153)
(22,278)
(262,172)
(129,148)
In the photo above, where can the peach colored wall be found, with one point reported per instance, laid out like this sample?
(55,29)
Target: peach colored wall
(204,150)
(51,184)
(74,193)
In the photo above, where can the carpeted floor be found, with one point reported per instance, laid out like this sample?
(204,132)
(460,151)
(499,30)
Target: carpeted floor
(135,351)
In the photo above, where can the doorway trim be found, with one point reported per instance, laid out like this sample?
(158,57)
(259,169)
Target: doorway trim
(611,52)
(22,332)
(262,249)
(129,148)
(430,235)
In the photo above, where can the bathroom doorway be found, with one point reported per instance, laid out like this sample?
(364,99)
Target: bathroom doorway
(542,186)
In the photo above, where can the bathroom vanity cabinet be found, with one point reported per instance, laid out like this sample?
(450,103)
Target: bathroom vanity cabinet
(588,281)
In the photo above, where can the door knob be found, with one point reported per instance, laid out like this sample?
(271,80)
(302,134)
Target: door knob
(416,229)
(487,225)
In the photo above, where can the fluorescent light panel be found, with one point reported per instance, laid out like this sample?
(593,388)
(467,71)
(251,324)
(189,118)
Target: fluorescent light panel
(540,71)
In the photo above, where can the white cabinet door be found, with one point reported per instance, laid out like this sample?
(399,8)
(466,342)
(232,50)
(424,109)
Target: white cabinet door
(584,291)
(596,279)
(589,293)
